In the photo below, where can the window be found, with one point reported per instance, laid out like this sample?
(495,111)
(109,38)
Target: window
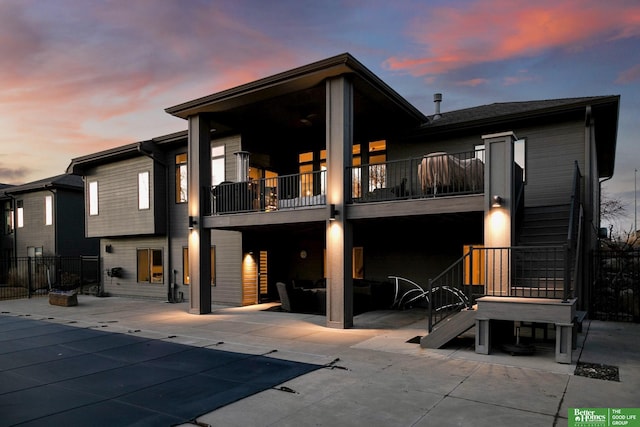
(48,210)
(217,165)
(143,190)
(182,188)
(356,172)
(520,155)
(378,167)
(33,251)
(306,177)
(185,266)
(479,152)
(8,218)
(20,213)
(357,257)
(150,266)
(93,198)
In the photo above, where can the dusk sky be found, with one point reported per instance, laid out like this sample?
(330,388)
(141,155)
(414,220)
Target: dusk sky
(81,76)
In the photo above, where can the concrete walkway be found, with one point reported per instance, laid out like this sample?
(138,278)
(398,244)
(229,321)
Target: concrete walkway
(373,376)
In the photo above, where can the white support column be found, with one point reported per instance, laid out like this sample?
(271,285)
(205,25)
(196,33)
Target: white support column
(483,336)
(499,209)
(199,175)
(564,342)
(339,244)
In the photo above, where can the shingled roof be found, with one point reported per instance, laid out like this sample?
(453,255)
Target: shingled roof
(67,181)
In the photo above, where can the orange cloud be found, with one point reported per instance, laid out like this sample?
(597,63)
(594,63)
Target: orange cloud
(473,82)
(629,76)
(496,30)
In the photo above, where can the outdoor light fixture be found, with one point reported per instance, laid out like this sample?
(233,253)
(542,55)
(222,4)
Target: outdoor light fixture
(496,201)
(192,222)
(332,212)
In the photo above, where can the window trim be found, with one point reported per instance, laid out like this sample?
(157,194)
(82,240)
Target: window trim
(144,190)
(93,198)
(48,210)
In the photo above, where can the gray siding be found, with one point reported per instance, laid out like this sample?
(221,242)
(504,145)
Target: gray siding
(228,289)
(118,213)
(34,232)
(124,255)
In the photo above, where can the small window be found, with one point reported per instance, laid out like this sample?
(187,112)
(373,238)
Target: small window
(48,210)
(150,265)
(143,190)
(20,213)
(217,165)
(182,188)
(358,262)
(520,155)
(93,198)
(8,218)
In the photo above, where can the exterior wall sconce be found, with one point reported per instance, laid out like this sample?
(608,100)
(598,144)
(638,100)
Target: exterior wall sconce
(496,201)
(192,222)
(108,249)
(332,212)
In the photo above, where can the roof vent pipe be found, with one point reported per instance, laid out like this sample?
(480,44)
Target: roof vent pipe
(437,99)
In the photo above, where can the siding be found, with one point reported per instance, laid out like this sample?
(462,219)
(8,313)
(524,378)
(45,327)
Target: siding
(123,254)
(35,233)
(118,213)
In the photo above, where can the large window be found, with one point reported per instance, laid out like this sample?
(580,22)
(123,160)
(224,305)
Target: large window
(185,266)
(143,190)
(93,198)
(182,187)
(217,165)
(48,210)
(150,266)
(20,213)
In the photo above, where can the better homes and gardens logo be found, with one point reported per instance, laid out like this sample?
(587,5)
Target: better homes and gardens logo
(604,417)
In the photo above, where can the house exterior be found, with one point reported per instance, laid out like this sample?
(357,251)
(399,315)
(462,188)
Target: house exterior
(325,174)
(42,242)
(45,218)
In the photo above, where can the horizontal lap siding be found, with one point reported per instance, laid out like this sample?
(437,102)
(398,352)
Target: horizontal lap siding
(118,213)
(228,289)
(123,254)
(34,232)
(551,153)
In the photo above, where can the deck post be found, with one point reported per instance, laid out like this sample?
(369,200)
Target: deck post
(339,244)
(199,175)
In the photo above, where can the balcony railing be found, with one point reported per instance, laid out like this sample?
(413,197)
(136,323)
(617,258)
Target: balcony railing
(432,175)
(270,194)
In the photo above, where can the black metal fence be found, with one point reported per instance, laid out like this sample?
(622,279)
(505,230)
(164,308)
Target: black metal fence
(26,277)
(615,292)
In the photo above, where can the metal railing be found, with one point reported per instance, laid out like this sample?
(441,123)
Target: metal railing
(25,277)
(270,194)
(433,175)
(517,271)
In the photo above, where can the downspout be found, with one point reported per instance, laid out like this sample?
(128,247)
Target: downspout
(170,296)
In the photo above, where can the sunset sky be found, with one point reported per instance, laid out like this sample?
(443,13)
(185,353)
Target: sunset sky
(80,76)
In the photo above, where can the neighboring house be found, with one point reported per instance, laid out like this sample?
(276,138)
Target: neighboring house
(43,243)
(46,218)
(325,173)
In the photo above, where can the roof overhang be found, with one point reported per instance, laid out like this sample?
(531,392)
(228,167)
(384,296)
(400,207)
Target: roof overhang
(300,79)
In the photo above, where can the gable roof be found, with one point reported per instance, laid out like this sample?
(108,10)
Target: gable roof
(64,181)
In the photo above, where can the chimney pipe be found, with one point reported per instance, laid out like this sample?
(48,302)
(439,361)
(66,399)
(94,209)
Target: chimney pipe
(437,99)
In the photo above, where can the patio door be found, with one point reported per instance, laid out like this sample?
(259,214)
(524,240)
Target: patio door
(254,278)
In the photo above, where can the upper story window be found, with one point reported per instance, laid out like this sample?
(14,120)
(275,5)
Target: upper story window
(20,213)
(378,167)
(143,190)
(93,198)
(182,188)
(520,155)
(7,227)
(217,165)
(48,210)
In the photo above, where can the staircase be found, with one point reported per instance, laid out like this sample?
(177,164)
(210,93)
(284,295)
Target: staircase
(540,270)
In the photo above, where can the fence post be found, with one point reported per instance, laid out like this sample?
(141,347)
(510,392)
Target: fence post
(29,278)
